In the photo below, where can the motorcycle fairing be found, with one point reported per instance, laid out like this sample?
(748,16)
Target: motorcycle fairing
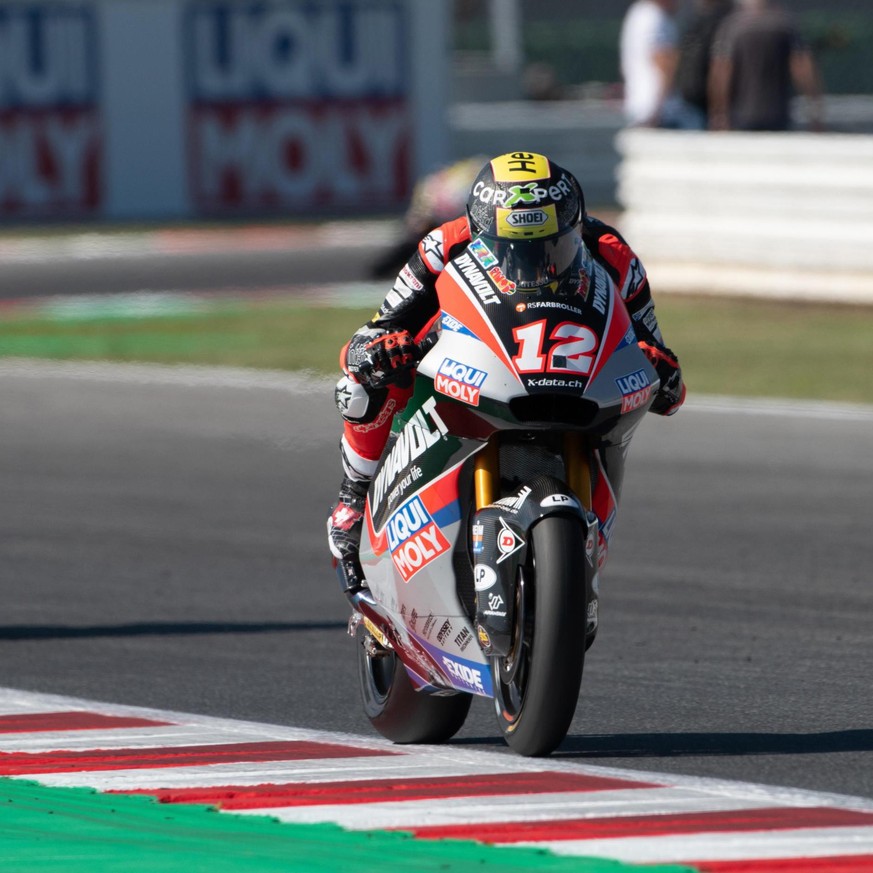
(579,344)
(464,674)
(418,448)
(605,504)
(500,535)
(417,483)
(413,528)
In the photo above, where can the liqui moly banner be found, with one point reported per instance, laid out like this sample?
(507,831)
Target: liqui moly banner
(50,120)
(182,108)
(298,105)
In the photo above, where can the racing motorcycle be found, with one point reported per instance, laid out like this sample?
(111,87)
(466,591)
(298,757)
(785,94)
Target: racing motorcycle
(480,547)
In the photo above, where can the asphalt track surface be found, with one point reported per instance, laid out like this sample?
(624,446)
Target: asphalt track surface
(213,272)
(162,545)
(207,262)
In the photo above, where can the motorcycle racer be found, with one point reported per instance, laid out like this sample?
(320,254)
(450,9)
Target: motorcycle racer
(533,213)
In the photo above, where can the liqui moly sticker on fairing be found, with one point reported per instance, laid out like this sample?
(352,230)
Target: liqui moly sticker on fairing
(636,388)
(460,381)
(414,538)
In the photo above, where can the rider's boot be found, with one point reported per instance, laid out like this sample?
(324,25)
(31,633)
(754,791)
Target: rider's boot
(344,532)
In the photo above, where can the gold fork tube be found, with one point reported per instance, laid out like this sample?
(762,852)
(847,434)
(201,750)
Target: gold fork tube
(485,474)
(578,467)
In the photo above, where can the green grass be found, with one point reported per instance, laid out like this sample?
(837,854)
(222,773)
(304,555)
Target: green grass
(733,347)
(771,349)
(271,337)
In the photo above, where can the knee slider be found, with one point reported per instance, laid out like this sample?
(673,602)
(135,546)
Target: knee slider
(356,404)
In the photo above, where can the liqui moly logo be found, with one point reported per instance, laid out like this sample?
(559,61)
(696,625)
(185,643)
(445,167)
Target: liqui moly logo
(51,141)
(459,381)
(635,389)
(414,538)
(297,104)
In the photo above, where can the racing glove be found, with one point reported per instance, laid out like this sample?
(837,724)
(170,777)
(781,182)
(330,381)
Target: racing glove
(377,357)
(671,393)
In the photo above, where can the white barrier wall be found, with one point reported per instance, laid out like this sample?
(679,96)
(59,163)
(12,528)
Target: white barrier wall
(170,108)
(781,214)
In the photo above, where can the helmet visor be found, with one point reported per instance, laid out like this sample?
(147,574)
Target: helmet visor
(535,263)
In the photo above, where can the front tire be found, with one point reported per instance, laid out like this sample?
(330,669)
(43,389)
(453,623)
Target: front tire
(398,711)
(537,684)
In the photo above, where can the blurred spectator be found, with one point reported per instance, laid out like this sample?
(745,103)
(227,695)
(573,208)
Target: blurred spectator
(758,55)
(695,57)
(648,46)
(541,82)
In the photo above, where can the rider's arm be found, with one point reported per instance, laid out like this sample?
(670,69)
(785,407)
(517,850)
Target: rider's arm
(610,249)
(412,302)
(408,308)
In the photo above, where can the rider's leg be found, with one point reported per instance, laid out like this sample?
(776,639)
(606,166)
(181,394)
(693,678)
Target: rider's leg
(606,491)
(367,416)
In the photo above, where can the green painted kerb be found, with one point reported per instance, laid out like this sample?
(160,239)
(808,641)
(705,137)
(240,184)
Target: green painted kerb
(78,830)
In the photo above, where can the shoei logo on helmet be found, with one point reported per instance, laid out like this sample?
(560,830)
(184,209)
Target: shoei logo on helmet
(527,223)
(508,168)
(527,218)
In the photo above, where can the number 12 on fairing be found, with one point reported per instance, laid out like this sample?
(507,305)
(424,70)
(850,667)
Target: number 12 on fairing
(572,353)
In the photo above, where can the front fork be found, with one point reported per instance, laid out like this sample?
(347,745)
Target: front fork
(577,465)
(500,532)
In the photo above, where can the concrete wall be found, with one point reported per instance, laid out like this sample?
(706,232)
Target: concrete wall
(786,215)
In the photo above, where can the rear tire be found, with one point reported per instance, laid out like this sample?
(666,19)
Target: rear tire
(537,685)
(398,711)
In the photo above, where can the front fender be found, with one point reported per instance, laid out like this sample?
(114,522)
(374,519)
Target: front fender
(500,534)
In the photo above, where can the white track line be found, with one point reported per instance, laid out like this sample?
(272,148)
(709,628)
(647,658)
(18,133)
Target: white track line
(273,772)
(714,846)
(495,809)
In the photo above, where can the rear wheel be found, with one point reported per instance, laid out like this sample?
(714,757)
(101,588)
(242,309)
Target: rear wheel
(397,710)
(537,683)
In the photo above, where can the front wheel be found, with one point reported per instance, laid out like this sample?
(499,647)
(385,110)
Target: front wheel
(398,711)
(537,683)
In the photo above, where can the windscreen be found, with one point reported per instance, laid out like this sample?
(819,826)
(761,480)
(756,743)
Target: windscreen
(534,263)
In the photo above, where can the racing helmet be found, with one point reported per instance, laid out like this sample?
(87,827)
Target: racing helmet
(528,211)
